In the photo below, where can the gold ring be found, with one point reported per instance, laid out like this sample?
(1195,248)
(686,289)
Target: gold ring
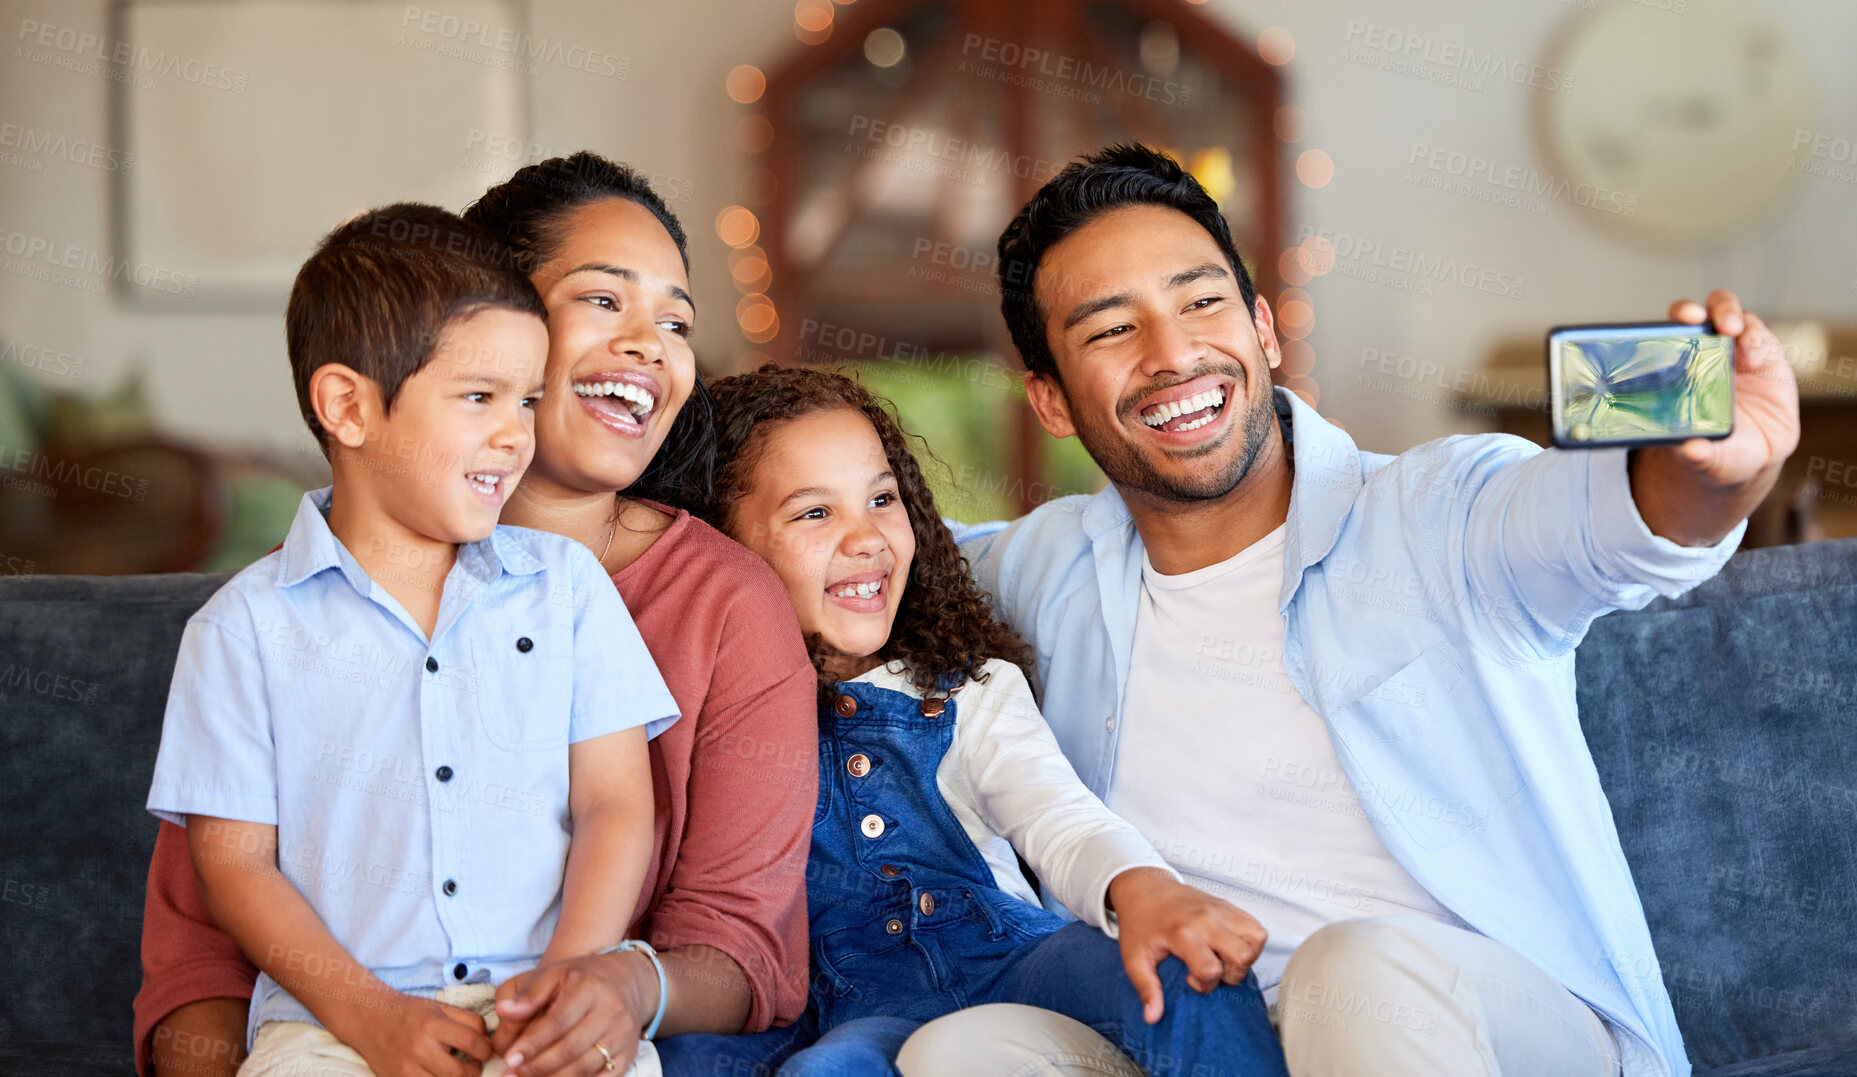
(607,1055)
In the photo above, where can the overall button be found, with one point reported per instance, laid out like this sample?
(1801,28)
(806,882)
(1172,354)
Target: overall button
(872,826)
(443,774)
(451,887)
(858,765)
(894,927)
(845,706)
(927,904)
(525,645)
(431,664)
(458,971)
(890,871)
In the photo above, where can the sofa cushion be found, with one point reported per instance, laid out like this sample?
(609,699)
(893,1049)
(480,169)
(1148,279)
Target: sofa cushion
(1817,1062)
(1724,726)
(83,683)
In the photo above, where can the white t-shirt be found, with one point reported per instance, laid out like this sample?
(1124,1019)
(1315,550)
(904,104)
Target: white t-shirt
(1232,775)
(1011,787)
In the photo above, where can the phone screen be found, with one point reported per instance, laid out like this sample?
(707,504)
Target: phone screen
(1639,384)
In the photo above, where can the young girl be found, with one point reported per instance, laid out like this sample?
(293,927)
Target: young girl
(936,772)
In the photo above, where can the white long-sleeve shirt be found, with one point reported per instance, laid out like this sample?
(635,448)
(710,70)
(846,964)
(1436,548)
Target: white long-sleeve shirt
(1010,786)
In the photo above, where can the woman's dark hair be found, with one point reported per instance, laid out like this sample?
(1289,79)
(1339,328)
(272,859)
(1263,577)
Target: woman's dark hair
(1127,174)
(528,212)
(945,628)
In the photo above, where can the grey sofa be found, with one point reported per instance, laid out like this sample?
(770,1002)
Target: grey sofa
(1724,725)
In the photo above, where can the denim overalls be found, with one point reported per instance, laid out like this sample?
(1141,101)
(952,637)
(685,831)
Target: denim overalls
(907,926)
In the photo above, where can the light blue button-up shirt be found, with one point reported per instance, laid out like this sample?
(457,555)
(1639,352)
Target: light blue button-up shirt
(1432,602)
(419,787)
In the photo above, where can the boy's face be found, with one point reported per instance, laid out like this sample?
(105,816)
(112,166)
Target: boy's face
(462,430)
(822,508)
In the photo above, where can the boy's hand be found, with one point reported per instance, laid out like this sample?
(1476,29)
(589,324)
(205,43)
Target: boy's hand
(417,1038)
(550,1017)
(1157,916)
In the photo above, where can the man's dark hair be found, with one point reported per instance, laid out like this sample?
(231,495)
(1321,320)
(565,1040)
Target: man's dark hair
(1127,174)
(381,288)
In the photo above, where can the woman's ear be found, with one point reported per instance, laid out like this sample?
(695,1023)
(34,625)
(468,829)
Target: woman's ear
(346,403)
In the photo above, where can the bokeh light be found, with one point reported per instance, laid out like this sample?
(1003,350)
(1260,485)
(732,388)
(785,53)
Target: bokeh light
(1317,256)
(812,21)
(1298,358)
(738,226)
(748,266)
(1289,266)
(884,47)
(1315,168)
(1275,46)
(746,84)
(754,134)
(759,321)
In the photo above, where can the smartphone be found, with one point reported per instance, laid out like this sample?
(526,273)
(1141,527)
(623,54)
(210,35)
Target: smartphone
(1650,384)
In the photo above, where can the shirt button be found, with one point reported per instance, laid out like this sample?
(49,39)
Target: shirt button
(443,774)
(894,926)
(845,706)
(927,904)
(431,664)
(873,826)
(458,971)
(451,887)
(890,871)
(1109,723)
(858,765)
(525,645)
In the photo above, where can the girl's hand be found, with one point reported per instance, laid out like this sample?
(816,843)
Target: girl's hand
(417,1039)
(550,1017)
(1157,916)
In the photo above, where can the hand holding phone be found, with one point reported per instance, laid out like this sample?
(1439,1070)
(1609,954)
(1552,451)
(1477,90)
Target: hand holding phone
(1639,384)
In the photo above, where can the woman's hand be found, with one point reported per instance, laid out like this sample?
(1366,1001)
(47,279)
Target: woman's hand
(1157,915)
(550,1017)
(418,1038)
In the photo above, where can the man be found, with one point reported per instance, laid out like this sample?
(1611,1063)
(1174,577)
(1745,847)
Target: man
(1337,687)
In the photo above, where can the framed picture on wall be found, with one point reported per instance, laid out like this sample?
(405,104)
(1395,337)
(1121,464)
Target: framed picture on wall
(257,126)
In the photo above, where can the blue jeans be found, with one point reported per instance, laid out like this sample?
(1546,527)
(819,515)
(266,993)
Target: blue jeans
(1076,971)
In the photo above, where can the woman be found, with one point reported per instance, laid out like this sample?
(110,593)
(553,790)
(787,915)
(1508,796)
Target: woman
(724,898)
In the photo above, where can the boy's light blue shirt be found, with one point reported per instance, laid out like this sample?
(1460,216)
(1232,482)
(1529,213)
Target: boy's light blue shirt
(305,697)
(1432,603)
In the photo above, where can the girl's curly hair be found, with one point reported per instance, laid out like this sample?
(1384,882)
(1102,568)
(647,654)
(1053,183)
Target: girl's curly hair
(945,628)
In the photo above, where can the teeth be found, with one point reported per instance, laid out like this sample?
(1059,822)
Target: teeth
(484,479)
(637,396)
(858,590)
(1166,412)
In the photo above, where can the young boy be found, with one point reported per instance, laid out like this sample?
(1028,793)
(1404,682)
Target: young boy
(381,735)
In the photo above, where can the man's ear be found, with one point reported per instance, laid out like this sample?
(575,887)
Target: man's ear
(346,403)
(1048,403)
(1266,325)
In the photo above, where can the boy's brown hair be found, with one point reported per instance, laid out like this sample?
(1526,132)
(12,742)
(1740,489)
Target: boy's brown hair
(381,288)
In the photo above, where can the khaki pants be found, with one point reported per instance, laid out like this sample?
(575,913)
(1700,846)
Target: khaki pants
(1385,996)
(299,1049)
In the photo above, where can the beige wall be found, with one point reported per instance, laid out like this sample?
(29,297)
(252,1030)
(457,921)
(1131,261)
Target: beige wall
(220,378)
